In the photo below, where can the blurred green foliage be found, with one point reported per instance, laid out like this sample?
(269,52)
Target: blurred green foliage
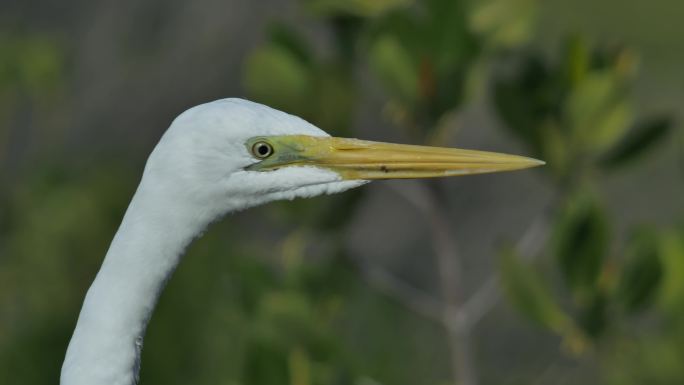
(47,257)
(576,112)
(288,318)
(529,293)
(31,64)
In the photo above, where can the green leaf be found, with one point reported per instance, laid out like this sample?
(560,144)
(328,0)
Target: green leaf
(577,60)
(289,311)
(527,98)
(33,63)
(593,316)
(555,149)
(529,294)
(641,273)
(451,49)
(598,110)
(395,68)
(362,8)
(672,260)
(581,245)
(40,63)
(447,36)
(642,138)
(287,38)
(504,23)
(264,363)
(335,100)
(275,76)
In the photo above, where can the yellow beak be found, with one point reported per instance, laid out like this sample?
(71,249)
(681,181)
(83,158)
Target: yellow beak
(361,159)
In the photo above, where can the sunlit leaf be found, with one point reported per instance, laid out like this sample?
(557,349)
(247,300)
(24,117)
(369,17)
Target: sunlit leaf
(598,110)
(529,294)
(505,23)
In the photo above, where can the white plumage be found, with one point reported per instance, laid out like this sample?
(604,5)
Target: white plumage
(194,175)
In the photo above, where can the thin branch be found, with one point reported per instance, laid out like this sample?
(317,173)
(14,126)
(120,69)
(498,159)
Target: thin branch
(411,297)
(460,317)
(551,374)
(488,295)
(427,199)
(450,270)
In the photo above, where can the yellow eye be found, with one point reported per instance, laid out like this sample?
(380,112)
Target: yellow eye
(262,150)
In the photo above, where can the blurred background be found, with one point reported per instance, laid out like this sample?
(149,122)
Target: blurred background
(568,274)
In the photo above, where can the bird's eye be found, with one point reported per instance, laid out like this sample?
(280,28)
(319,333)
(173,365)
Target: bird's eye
(262,150)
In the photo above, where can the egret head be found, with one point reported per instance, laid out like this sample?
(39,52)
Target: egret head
(232,154)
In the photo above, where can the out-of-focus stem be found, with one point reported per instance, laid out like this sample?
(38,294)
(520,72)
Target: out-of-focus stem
(450,277)
(429,201)
(416,300)
(459,315)
(488,294)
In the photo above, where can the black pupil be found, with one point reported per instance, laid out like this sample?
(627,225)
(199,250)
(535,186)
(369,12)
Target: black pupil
(263,149)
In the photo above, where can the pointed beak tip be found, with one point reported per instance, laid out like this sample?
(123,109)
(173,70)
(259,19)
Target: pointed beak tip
(531,163)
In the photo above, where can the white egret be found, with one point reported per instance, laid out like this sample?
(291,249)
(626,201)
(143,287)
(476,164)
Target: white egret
(216,158)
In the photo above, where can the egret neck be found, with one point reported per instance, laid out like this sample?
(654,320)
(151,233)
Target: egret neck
(143,254)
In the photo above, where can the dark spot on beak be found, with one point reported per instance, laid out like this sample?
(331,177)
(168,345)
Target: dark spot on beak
(384,169)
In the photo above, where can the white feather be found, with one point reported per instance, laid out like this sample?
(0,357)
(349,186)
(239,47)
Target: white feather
(194,176)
